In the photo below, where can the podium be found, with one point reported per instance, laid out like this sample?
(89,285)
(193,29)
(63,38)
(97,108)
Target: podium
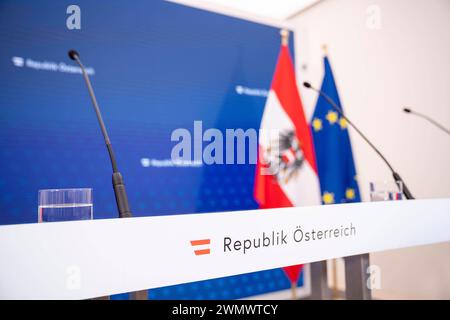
(88,259)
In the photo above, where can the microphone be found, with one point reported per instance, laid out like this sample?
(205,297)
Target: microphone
(432,121)
(117,180)
(395,175)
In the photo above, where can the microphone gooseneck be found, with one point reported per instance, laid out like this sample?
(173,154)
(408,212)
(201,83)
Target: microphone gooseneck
(429,119)
(333,104)
(117,180)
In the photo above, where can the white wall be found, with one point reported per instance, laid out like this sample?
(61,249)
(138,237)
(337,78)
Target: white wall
(378,71)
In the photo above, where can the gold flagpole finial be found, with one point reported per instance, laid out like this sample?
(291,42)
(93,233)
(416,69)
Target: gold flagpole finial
(284,37)
(325,49)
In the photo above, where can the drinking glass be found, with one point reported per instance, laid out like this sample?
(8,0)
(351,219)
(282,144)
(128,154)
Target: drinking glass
(386,191)
(65,205)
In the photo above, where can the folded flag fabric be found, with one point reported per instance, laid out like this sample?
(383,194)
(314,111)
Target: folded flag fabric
(286,171)
(336,168)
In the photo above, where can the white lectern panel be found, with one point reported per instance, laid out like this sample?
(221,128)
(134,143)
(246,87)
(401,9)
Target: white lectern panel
(85,259)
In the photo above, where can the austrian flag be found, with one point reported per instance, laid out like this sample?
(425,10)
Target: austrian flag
(286,171)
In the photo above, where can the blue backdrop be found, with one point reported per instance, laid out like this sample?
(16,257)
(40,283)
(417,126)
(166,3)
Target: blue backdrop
(158,66)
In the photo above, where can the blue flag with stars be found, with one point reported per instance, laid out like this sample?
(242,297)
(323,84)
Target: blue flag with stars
(334,156)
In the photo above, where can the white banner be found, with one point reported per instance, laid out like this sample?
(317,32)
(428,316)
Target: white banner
(85,259)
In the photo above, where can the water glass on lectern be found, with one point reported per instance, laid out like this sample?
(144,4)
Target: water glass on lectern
(386,191)
(65,205)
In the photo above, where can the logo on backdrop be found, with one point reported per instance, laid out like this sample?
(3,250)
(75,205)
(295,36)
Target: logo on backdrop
(254,92)
(21,62)
(18,61)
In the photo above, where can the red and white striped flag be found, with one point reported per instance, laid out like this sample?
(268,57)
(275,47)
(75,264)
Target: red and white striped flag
(286,171)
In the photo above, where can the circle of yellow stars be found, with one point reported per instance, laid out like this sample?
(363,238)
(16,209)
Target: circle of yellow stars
(328,197)
(332,117)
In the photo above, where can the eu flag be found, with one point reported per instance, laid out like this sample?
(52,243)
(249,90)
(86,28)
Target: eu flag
(334,156)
